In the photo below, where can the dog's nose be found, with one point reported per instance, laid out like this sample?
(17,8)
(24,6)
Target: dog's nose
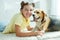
(33,15)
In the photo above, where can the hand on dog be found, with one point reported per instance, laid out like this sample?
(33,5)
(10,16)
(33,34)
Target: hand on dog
(41,33)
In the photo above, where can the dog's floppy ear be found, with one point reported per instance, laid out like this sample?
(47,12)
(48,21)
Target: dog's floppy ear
(43,15)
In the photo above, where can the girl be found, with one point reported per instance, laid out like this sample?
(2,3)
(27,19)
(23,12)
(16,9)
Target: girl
(20,22)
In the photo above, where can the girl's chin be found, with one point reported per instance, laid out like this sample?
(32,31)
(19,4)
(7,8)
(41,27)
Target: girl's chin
(27,17)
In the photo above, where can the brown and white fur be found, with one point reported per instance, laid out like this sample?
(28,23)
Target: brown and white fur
(40,19)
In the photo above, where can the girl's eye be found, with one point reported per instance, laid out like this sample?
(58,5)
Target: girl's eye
(26,9)
(31,10)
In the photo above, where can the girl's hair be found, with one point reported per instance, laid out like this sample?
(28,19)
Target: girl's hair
(26,3)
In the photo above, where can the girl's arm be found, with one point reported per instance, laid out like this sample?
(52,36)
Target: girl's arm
(29,28)
(23,34)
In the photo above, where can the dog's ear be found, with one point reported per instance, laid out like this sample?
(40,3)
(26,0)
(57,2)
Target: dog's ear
(43,15)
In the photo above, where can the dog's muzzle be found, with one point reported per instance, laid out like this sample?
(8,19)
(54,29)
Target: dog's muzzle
(33,15)
(34,18)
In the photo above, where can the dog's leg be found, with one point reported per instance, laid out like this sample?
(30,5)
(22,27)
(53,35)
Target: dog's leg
(35,29)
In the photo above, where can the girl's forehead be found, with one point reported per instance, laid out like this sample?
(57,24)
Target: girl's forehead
(28,6)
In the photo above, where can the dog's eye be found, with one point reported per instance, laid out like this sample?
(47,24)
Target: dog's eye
(37,12)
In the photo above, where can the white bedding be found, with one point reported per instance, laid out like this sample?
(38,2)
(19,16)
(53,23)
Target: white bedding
(47,36)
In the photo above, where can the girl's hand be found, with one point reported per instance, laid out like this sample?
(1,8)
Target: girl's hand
(41,33)
(29,28)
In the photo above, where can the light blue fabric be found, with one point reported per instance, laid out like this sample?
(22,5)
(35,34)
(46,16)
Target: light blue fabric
(2,26)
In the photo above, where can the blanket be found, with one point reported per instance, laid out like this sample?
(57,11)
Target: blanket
(47,36)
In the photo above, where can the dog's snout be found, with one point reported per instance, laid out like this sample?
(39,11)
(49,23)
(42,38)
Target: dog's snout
(33,15)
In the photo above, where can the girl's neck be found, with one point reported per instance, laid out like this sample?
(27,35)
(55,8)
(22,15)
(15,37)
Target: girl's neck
(24,17)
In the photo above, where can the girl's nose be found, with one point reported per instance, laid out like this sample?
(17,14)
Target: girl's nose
(28,11)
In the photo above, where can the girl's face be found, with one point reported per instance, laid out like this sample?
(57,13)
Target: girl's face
(27,11)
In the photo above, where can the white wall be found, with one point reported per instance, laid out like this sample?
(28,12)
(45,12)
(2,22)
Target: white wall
(58,8)
(55,9)
(8,8)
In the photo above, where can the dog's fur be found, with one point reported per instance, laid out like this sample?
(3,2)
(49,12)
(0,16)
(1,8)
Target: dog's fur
(39,18)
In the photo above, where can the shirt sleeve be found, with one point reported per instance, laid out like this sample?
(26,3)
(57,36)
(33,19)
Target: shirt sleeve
(18,21)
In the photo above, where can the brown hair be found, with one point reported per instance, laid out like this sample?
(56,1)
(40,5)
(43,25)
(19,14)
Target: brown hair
(23,4)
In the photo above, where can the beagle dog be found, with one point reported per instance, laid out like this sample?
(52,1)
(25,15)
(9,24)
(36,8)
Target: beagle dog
(40,19)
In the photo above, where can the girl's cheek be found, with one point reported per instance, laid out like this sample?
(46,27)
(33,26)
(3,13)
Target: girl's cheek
(30,14)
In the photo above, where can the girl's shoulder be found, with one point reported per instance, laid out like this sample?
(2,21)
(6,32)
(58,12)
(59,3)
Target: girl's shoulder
(17,14)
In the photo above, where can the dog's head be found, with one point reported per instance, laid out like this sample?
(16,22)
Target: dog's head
(39,15)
